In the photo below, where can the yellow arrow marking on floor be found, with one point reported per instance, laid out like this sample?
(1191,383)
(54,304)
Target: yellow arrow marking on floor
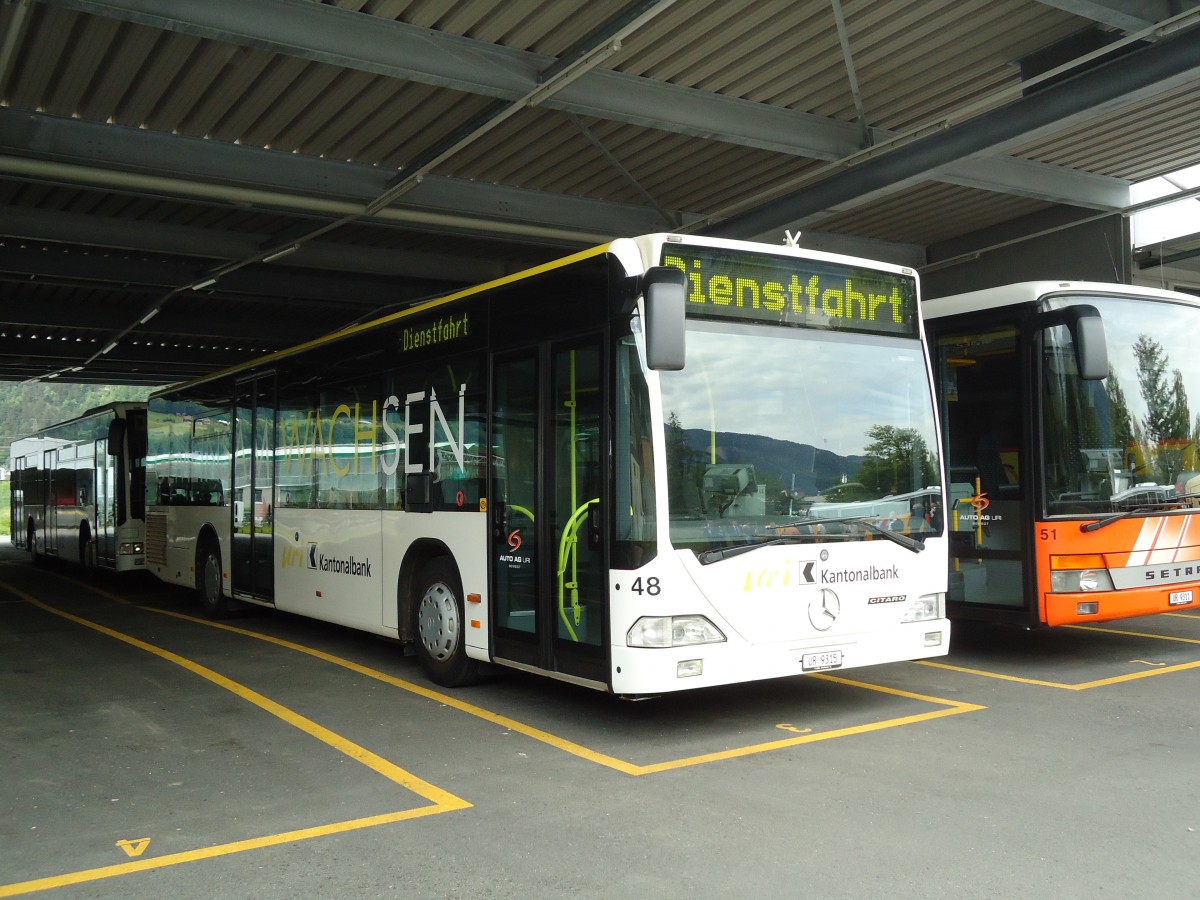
(135,847)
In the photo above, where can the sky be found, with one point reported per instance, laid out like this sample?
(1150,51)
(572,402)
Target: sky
(1171,220)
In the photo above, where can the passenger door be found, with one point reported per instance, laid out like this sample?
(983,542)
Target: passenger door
(252,570)
(549,602)
(989,468)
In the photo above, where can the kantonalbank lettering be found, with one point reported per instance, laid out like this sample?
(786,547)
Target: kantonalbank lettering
(848,576)
(344,565)
(378,435)
(812,295)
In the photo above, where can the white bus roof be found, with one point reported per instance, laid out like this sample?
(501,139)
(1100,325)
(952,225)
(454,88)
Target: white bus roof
(1029,291)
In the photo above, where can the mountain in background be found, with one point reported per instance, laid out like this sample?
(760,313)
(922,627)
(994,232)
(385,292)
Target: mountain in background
(24,408)
(813,469)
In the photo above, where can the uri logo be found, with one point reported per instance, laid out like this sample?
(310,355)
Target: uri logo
(979,501)
(514,557)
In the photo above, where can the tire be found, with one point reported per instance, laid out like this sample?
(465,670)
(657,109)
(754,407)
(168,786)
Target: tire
(208,580)
(87,550)
(438,623)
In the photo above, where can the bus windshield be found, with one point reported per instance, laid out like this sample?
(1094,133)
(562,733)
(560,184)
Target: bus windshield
(1128,442)
(796,434)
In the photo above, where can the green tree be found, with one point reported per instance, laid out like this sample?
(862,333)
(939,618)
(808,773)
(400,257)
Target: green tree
(1167,417)
(1122,418)
(897,460)
(685,469)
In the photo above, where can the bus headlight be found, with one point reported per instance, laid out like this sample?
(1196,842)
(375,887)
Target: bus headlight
(673,631)
(924,608)
(1076,574)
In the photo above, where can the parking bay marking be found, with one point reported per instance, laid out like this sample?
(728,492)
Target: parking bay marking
(440,800)
(948,708)
(1086,685)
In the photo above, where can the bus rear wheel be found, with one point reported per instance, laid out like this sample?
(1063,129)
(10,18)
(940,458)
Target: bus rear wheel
(438,620)
(87,549)
(208,581)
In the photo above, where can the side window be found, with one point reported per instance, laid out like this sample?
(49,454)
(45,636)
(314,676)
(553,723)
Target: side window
(188,461)
(634,515)
(347,466)
(433,422)
(329,447)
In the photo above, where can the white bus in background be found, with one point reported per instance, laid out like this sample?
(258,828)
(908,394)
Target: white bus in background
(78,489)
(593,470)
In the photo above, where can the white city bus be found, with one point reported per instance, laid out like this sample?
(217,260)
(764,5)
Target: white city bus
(662,463)
(78,489)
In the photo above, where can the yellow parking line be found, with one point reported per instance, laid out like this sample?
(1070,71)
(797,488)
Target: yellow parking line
(985,674)
(171,859)
(440,800)
(952,708)
(1157,637)
(1133,676)
(1082,686)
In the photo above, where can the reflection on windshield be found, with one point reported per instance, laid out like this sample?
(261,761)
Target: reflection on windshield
(790,434)
(1129,441)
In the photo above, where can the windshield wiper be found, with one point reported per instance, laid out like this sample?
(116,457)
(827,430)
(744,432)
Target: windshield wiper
(709,556)
(902,539)
(1164,506)
(718,553)
(899,537)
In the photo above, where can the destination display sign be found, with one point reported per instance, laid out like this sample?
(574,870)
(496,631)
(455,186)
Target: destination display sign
(787,290)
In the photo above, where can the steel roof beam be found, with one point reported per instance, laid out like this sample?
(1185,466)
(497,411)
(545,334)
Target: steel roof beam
(368,43)
(1126,15)
(351,262)
(1152,69)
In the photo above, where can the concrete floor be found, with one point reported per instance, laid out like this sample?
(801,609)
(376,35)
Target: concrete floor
(148,753)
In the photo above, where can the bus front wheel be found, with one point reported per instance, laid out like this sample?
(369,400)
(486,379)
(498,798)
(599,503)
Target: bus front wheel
(438,625)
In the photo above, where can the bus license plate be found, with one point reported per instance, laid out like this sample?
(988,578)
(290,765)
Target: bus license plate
(1180,598)
(815,662)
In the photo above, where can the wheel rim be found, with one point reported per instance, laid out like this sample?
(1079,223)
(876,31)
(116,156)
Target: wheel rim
(212,578)
(437,621)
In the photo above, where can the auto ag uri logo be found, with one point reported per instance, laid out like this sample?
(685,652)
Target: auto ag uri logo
(824,609)
(979,501)
(514,540)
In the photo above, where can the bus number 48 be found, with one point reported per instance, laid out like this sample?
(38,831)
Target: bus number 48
(646,586)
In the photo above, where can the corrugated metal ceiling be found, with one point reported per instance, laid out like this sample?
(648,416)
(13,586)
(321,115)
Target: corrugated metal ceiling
(148,145)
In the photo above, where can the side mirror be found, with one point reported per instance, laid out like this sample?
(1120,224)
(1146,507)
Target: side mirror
(116,436)
(1087,334)
(665,290)
(1091,347)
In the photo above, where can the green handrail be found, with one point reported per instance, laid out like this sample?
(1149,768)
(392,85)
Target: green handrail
(567,554)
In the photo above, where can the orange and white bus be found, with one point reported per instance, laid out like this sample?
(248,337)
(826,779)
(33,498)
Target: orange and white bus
(78,489)
(629,469)
(1071,450)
